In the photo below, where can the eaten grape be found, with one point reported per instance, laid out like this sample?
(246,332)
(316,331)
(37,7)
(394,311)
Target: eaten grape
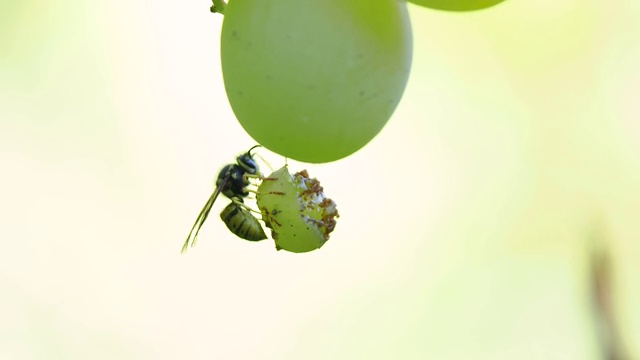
(296,210)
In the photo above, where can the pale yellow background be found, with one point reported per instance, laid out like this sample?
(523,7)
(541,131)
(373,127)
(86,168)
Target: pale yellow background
(465,225)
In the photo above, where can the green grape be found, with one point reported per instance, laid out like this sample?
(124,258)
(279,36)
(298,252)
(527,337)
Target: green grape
(457,5)
(296,210)
(315,80)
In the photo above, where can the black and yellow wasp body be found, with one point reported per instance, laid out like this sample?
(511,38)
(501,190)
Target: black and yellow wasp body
(232,182)
(241,222)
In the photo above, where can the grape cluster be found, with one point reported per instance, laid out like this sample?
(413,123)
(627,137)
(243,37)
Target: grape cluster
(315,81)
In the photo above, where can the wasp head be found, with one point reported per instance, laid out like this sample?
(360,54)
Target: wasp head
(247,163)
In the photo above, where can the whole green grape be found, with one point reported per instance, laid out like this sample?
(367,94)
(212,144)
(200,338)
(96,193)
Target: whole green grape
(457,5)
(315,80)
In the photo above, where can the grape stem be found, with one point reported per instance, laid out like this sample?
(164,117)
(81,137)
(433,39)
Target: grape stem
(218,6)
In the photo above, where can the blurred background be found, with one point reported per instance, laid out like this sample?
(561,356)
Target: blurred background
(494,217)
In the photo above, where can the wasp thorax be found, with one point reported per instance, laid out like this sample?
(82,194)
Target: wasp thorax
(296,210)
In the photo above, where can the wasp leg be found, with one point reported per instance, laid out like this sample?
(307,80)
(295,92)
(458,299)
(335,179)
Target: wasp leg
(246,177)
(267,193)
(240,203)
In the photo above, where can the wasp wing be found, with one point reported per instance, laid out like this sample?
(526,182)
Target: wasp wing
(204,213)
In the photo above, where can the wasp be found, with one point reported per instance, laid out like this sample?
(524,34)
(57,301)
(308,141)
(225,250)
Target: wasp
(232,182)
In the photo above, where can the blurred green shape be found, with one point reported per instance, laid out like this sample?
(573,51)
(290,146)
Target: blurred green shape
(457,5)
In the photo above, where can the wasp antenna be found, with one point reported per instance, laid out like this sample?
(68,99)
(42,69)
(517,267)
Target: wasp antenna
(264,161)
(256,146)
